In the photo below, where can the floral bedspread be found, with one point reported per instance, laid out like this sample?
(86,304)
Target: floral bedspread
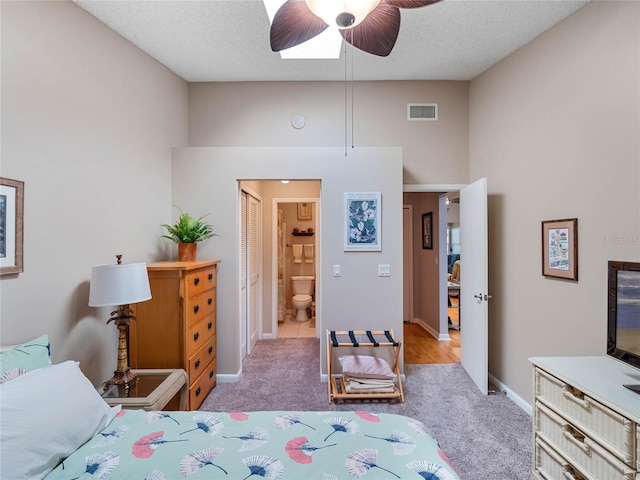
(258,445)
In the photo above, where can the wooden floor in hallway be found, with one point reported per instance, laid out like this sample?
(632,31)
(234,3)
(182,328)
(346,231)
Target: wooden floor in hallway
(421,348)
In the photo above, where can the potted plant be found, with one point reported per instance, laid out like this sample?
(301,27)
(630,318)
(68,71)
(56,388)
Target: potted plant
(187,232)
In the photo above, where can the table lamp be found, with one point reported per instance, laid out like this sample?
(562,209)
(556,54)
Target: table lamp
(121,284)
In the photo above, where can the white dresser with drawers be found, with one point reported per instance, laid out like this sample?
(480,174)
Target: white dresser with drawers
(586,424)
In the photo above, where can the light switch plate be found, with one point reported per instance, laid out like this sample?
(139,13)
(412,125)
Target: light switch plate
(336,271)
(384,270)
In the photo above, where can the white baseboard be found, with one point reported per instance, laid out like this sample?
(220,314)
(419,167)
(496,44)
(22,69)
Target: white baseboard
(511,394)
(441,337)
(228,377)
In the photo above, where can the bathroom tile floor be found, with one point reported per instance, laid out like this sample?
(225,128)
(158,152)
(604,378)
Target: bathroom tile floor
(291,328)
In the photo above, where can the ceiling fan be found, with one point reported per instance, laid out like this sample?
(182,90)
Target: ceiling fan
(370,25)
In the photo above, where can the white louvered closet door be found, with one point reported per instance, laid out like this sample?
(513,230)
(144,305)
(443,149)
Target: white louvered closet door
(243,274)
(253,273)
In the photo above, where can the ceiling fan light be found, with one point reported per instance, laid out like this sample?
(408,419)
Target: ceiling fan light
(343,14)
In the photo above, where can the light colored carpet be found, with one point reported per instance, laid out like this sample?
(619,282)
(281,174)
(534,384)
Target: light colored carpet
(485,437)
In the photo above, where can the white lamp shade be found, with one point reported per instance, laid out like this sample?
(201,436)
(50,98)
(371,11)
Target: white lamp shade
(119,284)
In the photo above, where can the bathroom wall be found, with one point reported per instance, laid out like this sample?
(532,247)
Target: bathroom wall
(306,266)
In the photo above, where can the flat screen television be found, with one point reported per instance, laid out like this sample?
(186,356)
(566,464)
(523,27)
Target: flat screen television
(623,335)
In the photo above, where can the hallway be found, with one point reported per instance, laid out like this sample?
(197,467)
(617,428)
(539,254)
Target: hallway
(421,348)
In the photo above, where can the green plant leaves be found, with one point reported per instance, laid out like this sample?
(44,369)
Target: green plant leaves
(189,229)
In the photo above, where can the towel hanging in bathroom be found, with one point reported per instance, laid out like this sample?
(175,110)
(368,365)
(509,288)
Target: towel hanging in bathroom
(308,253)
(297,253)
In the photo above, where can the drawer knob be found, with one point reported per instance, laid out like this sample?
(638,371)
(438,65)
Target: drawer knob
(197,363)
(196,280)
(210,349)
(211,374)
(196,336)
(570,473)
(209,301)
(209,325)
(576,396)
(196,309)
(198,391)
(210,276)
(576,437)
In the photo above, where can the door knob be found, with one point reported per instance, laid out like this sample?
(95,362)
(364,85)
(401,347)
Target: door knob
(479,296)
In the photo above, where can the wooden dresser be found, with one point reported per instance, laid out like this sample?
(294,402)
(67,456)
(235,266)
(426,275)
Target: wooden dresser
(177,327)
(586,425)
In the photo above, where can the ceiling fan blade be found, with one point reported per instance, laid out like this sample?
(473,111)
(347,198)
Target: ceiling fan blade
(377,33)
(409,3)
(294,24)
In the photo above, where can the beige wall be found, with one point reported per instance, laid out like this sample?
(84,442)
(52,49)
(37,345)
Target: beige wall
(88,122)
(555,129)
(206,178)
(259,114)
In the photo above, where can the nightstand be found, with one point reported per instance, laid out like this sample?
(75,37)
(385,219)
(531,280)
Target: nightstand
(153,390)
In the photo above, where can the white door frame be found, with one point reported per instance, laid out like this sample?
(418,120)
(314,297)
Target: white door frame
(407,230)
(274,261)
(439,188)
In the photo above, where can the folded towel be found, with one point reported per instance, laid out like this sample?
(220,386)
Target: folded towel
(297,253)
(355,387)
(308,253)
(368,380)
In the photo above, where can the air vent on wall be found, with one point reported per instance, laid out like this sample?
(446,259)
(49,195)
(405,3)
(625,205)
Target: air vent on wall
(422,111)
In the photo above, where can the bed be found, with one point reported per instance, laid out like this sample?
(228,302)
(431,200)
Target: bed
(54,425)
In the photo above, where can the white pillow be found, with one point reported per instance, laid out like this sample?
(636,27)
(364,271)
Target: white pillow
(365,366)
(45,415)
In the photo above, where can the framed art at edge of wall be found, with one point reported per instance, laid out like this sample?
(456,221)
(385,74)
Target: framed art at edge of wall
(560,248)
(362,212)
(427,228)
(304,211)
(11,225)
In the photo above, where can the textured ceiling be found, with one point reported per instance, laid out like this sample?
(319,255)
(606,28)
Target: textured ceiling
(228,40)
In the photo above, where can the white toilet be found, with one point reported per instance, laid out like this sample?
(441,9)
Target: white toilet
(302,286)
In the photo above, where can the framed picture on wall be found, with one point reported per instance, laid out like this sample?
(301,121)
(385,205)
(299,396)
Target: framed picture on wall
(362,212)
(427,231)
(304,211)
(11,222)
(560,248)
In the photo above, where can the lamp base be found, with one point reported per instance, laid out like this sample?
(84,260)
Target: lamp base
(125,378)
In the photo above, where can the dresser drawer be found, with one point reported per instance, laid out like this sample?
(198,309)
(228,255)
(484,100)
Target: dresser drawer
(197,281)
(200,306)
(638,449)
(588,415)
(199,334)
(201,359)
(202,386)
(551,465)
(578,449)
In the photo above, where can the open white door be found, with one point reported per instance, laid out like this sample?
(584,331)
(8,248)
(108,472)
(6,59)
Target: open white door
(474,283)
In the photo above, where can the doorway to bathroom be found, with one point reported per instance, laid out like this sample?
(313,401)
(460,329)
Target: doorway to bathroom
(296,223)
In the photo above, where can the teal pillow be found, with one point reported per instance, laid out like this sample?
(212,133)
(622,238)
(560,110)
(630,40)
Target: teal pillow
(25,357)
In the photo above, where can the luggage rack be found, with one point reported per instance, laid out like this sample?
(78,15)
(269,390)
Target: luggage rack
(336,387)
